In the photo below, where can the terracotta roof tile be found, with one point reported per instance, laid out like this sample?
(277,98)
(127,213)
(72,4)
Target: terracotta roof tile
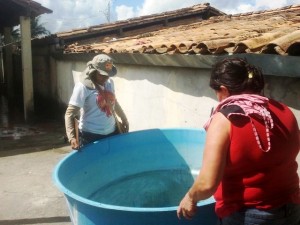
(265,32)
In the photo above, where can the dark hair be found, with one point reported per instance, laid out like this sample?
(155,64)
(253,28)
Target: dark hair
(237,76)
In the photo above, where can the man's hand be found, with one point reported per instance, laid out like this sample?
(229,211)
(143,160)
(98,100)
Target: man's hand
(125,125)
(74,144)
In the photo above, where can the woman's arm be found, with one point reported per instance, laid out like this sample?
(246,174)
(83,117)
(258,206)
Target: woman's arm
(214,161)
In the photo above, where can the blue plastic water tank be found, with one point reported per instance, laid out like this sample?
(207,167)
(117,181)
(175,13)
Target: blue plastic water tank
(136,178)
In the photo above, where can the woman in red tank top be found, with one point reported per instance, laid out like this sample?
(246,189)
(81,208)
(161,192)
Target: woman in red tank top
(249,161)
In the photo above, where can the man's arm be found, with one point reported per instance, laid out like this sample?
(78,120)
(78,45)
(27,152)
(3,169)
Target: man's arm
(119,111)
(70,124)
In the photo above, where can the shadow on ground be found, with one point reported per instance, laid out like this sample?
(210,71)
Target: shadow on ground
(22,138)
(58,219)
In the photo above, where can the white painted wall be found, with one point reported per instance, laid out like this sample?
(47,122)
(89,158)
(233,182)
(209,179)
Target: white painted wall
(65,81)
(167,97)
(163,97)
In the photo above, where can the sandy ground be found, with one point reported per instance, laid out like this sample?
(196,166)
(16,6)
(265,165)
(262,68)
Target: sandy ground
(27,160)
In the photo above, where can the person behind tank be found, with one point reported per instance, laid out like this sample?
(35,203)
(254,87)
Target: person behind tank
(95,96)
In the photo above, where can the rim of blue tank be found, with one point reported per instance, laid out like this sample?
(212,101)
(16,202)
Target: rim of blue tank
(73,195)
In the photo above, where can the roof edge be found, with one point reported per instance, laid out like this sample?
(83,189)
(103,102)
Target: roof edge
(183,12)
(288,66)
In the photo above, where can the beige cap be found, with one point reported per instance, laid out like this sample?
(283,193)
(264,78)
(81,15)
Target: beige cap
(103,64)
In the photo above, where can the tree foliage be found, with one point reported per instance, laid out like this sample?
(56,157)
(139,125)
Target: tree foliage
(37,30)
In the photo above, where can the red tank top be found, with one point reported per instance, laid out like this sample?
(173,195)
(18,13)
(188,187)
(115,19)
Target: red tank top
(257,179)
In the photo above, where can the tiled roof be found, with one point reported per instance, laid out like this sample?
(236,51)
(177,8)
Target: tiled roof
(264,32)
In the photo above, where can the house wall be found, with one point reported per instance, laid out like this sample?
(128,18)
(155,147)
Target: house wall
(165,97)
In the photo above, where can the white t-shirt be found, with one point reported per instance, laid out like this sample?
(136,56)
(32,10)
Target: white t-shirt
(92,119)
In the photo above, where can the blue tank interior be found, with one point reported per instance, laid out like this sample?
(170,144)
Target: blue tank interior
(134,178)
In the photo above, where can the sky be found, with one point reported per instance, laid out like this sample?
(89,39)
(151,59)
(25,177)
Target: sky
(77,14)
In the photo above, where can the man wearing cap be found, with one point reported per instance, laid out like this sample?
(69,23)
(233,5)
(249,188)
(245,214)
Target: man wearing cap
(94,99)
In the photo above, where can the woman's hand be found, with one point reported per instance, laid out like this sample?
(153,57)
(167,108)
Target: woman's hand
(187,207)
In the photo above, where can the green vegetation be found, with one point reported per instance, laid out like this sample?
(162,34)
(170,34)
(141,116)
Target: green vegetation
(37,30)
